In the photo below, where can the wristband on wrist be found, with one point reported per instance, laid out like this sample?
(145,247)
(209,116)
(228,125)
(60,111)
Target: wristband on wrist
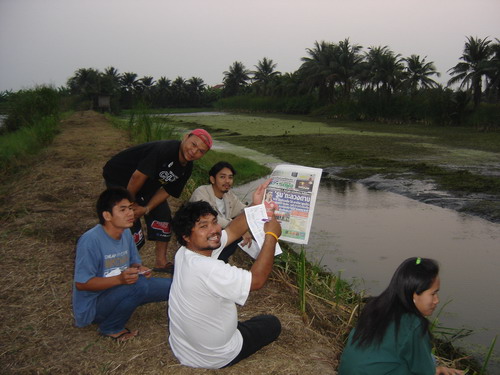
(147,210)
(272,234)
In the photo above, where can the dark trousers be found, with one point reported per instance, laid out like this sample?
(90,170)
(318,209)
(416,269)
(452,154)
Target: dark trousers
(229,250)
(257,332)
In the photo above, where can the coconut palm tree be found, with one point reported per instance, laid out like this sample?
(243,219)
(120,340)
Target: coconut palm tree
(179,91)
(493,73)
(195,87)
(129,81)
(418,72)
(85,82)
(317,71)
(384,69)
(163,92)
(110,81)
(264,75)
(348,60)
(235,79)
(129,86)
(473,67)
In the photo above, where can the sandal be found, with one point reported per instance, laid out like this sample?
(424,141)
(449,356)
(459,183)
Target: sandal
(123,336)
(169,268)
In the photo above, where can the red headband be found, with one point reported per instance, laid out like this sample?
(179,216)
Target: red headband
(204,136)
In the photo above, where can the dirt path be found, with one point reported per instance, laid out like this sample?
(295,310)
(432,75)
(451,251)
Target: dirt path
(42,212)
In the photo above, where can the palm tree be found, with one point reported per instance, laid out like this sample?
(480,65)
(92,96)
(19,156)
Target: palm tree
(235,79)
(418,72)
(288,84)
(316,70)
(493,73)
(146,85)
(129,85)
(163,92)
(195,87)
(264,75)
(348,62)
(86,83)
(179,91)
(474,66)
(110,81)
(129,81)
(384,69)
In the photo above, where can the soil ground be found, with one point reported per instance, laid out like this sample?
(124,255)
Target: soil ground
(44,209)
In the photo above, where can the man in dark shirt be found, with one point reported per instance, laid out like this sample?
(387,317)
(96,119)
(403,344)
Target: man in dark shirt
(154,171)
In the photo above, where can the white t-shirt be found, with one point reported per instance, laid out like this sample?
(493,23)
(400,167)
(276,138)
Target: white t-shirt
(202,310)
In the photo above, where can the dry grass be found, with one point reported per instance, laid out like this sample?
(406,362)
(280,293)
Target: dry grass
(44,210)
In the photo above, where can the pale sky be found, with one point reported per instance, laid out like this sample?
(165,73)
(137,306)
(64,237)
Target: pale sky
(46,41)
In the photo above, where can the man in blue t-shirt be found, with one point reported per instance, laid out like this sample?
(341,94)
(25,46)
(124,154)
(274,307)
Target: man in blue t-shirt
(110,282)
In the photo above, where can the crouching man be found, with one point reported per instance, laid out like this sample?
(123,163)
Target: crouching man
(204,327)
(110,282)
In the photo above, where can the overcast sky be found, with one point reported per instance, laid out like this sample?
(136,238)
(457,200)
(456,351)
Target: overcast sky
(46,41)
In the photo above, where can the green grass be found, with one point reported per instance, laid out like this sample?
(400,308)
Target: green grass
(166,111)
(366,148)
(17,147)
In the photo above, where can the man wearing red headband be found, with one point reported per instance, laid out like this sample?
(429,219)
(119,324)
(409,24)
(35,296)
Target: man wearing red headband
(152,172)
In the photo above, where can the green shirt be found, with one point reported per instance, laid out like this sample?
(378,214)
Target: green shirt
(407,354)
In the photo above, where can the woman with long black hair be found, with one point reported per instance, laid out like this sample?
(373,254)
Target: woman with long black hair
(392,334)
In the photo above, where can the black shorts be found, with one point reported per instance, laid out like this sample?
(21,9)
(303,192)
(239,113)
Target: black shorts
(157,224)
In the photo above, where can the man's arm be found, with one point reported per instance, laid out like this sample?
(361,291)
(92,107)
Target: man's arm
(239,225)
(96,284)
(135,184)
(264,263)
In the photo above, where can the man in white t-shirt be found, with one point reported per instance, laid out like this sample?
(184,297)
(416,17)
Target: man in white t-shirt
(218,193)
(204,327)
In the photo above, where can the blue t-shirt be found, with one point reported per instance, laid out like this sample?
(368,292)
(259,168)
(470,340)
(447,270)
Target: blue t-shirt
(99,255)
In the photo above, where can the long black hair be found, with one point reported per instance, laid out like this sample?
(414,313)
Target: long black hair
(414,275)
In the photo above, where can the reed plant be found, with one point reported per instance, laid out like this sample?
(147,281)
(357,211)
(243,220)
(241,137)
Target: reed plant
(28,107)
(18,147)
(301,280)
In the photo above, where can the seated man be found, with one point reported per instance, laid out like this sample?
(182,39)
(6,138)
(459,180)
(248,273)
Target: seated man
(110,281)
(204,327)
(222,200)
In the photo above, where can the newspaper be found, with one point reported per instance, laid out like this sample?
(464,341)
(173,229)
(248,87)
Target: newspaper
(256,217)
(292,196)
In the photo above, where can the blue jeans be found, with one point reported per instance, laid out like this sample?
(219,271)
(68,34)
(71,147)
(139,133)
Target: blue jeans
(116,305)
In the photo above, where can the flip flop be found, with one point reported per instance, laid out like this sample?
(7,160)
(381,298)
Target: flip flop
(122,337)
(169,268)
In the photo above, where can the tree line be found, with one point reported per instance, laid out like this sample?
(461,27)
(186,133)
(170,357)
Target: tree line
(337,79)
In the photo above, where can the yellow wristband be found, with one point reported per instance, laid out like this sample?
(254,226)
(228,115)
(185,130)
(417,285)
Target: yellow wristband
(147,210)
(272,234)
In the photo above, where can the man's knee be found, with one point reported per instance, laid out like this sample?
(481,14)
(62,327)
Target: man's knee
(274,325)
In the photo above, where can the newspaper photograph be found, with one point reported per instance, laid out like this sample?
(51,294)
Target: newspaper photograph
(292,196)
